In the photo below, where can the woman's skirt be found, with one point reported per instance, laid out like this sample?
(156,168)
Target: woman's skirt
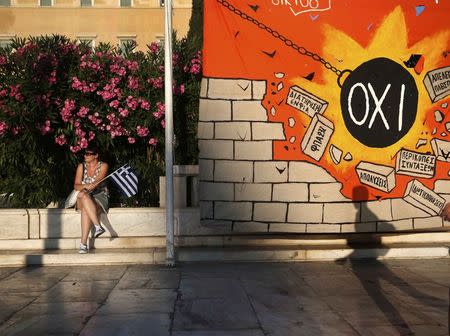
(102,199)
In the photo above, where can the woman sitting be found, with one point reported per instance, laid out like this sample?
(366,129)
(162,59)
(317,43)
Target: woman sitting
(93,198)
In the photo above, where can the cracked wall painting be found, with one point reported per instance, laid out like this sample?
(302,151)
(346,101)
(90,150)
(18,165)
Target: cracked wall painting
(361,87)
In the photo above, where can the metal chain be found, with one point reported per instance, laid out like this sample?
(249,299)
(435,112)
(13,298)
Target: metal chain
(277,35)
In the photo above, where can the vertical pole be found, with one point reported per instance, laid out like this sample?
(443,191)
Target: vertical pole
(170,252)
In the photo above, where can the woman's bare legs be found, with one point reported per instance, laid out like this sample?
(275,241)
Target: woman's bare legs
(86,224)
(89,215)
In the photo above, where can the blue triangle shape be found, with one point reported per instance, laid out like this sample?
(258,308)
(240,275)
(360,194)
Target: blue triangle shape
(419,9)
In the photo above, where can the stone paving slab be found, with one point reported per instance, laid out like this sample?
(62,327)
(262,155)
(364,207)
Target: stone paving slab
(346,297)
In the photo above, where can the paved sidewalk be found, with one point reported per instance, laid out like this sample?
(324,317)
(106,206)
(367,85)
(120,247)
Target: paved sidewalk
(365,297)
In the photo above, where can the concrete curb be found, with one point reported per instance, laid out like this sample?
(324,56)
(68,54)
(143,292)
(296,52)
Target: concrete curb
(207,254)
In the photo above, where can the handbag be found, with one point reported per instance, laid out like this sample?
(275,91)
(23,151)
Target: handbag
(71,199)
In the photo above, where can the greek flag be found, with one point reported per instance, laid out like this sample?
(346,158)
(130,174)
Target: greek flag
(126,180)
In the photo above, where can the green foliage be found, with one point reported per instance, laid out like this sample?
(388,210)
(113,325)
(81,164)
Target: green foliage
(57,97)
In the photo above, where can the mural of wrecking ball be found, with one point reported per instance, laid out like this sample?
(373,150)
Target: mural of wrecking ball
(362,88)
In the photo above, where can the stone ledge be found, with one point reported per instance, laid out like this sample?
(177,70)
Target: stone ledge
(158,255)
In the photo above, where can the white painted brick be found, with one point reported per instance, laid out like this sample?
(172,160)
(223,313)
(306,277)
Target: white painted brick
(252,110)
(206,170)
(323,228)
(305,213)
(229,89)
(292,228)
(179,191)
(205,130)
(326,192)
(250,227)
(185,170)
(399,225)
(33,223)
(308,172)
(272,171)
(341,213)
(270,212)
(210,191)
(206,210)
(215,149)
(259,89)
(359,227)
(216,227)
(376,211)
(267,131)
(424,198)
(239,211)
(290,192)
(204,88)
(214,110)
(14,224)
(402,209)
(233,171)
(252,192)
(442,187)
(253,150)
(233,130)
(426,223)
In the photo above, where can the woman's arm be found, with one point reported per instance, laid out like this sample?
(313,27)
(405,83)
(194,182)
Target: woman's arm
(78,178)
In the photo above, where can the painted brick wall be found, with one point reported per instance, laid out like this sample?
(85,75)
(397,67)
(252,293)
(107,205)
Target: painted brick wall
(243,189)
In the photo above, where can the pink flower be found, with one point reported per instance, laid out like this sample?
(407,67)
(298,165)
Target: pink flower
(3,60)
(61,140)
(117,69)
(75,149)
(114,104)
(123,112)
(145,105)
(52,78)
(153,141)
(132,103)
(142,131)
(83,143)
(83,111)
(3,127)
(91,135)
(45,128)
(133,83)
(154,48)
(178,90)
(156,83)
(66,111)
(131,140)
(163,123)
(132,65)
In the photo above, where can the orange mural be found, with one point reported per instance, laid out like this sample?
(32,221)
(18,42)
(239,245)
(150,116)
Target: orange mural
(361,87)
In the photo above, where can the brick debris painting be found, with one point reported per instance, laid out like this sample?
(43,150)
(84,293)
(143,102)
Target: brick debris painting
(316,102)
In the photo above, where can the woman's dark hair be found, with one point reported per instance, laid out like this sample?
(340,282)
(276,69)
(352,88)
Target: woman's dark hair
(91,148)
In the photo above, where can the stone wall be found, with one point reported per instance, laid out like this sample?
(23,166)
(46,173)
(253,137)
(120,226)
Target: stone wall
(242,189)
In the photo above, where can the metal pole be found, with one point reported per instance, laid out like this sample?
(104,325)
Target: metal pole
(170,252)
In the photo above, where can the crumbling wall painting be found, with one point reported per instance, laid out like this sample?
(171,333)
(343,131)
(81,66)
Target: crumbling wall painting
(361,87)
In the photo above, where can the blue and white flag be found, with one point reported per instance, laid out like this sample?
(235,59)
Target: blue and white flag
(126,179)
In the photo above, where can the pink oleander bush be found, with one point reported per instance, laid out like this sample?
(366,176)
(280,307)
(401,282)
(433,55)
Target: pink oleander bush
(57,97)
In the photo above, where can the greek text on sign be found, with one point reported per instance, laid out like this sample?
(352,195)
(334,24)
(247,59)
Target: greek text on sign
(423,198)
(415,164)
(303,6)
(317,137)
(376,176)
(305,102)
(441,149)
(437,83)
